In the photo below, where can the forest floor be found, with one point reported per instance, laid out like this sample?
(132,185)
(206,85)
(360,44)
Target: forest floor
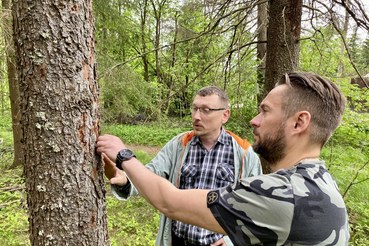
(150,150)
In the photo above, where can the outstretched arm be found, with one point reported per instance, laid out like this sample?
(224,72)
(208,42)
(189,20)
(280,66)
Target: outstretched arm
(189,206)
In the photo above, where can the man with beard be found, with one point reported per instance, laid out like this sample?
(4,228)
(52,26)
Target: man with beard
(209,157)
(298,204)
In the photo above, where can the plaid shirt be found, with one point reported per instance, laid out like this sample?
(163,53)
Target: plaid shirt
(204,169)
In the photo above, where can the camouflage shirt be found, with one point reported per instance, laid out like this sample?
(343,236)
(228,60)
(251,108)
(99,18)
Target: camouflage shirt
(298,206)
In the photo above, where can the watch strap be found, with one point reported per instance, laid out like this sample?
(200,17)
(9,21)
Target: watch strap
(123,155)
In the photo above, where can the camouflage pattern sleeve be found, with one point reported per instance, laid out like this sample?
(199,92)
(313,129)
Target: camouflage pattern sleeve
(300,206)
(254,210)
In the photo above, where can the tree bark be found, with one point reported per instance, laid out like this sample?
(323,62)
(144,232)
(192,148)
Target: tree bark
(55,45)
(283,45)
(261,47)
(13,86)
(143,40)
(341,66)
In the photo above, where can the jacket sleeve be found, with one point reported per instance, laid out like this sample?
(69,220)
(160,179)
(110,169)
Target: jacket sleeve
(251,164)
(161,165)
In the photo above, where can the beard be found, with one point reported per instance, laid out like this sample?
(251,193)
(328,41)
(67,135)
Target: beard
(272,147)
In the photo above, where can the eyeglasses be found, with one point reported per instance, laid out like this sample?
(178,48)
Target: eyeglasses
(205,111)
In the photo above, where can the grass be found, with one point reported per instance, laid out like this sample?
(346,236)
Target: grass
(135,222)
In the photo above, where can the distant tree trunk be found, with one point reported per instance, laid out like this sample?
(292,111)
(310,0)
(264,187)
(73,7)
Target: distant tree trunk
(261,47)
(143,40)
(344,35)
(13,86)
(170,83)
(283,46)
(55,45)
(157,15)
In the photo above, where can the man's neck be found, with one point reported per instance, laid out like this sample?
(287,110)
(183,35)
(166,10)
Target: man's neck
(294,157)
(209,141)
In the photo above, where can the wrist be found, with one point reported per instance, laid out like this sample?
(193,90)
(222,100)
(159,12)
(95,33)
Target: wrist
(124,188)
(123,155)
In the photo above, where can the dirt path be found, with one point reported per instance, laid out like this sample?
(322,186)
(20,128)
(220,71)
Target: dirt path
(150,150)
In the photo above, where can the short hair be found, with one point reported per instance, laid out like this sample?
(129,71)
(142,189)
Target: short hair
(210,90)
(320,97)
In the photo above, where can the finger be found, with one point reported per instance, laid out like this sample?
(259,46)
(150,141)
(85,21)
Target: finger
(103,137)
(107,160)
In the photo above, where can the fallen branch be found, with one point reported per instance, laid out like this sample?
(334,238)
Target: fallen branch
(3,205)
(13,188)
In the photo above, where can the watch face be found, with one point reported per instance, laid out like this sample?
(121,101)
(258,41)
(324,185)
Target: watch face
(126,154)
(123,155)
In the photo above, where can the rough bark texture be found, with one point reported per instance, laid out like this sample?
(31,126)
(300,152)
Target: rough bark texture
(283,46)
(57,69)
(283,40)
(13,86)
(261,47)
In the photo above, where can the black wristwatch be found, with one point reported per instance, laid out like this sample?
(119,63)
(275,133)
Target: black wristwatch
(123,155)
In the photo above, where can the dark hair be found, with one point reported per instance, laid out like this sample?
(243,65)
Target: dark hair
(320,97)
(210,90)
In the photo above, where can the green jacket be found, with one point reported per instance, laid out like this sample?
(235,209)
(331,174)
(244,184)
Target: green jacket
(168,162)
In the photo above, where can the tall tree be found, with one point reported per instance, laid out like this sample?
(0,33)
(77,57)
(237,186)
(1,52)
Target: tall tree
(344,36)
(283,46)
(261,46)
(55,45)
(158,8)
(13,86)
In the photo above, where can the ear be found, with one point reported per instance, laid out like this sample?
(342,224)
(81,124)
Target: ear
(302,122)
(225,117)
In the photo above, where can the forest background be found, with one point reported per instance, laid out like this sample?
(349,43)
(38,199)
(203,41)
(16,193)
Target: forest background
(153,56)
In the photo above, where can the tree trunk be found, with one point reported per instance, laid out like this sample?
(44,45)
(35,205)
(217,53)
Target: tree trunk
(283,40)
(55,45)
(13,86)
(157,16)
(261,47)
(143,40)
(172,64)
(283,45)
(344,36)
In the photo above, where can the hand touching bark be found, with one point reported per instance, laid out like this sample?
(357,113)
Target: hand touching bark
(110,145)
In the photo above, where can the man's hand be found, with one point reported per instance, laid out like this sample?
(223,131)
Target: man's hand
(115,175)
(220,242)
(110,145)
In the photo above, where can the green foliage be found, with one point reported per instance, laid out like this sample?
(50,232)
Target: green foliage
(320,53)
(132,222)
(345,158)
(152,135)
(127,30)
(365,55)
(6,134)
(125,95)
(13,216)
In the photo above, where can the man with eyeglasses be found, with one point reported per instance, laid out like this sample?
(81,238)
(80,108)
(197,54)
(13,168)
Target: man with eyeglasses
(209,157)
